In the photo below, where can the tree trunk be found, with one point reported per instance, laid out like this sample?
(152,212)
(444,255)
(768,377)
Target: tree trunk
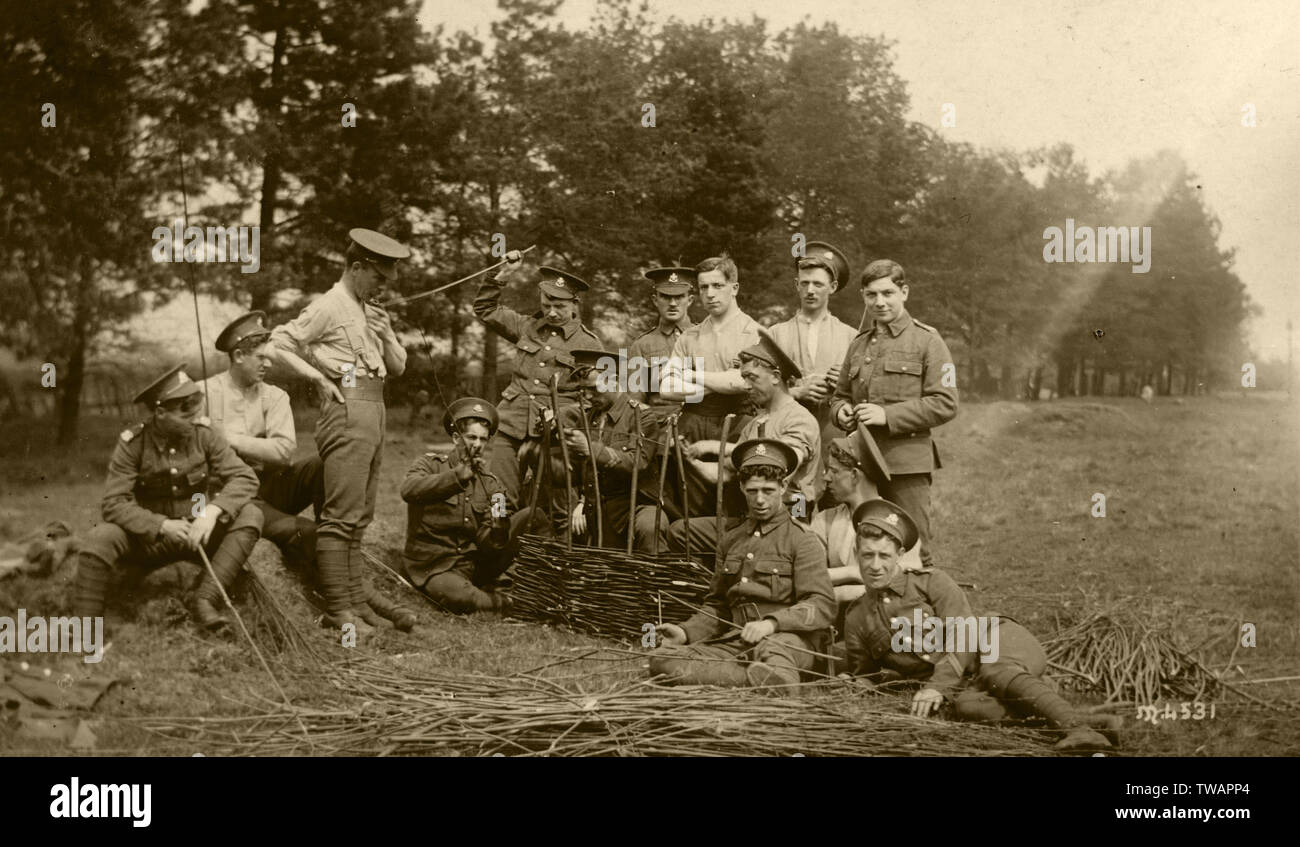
(270,119)
(70,399)
(489,337)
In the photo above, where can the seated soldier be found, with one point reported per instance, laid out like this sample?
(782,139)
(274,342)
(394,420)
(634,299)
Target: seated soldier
(850,468)
(987,684)
(612,421)
(175,488)
(458,536)
(770,601)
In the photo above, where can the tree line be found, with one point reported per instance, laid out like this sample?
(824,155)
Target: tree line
(615,147)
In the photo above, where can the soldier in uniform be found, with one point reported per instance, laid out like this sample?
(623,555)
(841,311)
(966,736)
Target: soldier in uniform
(767,372)
(851,474)
(814,338)
(458,535)
(256,419)
(543,342)
(611,417)
(770,583)
(877,628)
(704,371)
(897,380)
(648,354)
(174,486)
(347,347)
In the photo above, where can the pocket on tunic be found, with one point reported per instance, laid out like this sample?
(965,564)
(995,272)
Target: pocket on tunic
(902,381)
(778,575)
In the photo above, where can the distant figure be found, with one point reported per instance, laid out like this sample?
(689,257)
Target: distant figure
(1147,393)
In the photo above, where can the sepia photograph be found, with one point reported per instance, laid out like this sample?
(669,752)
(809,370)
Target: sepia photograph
(650,378)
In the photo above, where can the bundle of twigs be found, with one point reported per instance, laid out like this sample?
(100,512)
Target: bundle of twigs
(394,713)
(598,590)
(1129,660)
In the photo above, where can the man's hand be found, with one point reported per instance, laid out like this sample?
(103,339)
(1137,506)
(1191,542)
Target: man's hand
(814,391)
(832,377)
(756,631)
(926,701)
(671,635)
(380,324)
(176,530)
(577,442)
(464,473)
(514,257)
(200,530)
(869,414)
(844,417)
(578,522)
(330,388)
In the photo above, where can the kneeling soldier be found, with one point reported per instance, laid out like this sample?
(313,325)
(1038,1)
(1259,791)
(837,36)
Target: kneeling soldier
(163,472)
(770,602)
(457,534)
(1010,683)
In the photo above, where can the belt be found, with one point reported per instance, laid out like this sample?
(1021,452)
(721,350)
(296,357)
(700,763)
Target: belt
(364,387)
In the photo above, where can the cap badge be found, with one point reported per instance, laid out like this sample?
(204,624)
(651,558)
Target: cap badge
(892,520)
(182,377)
(826,254)
(559,282)
(478,407)
(761,449)
(672,277)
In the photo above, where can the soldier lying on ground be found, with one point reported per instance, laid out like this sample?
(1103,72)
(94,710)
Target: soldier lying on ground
(981,682)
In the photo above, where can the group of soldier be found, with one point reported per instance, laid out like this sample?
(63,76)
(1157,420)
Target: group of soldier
(798,458)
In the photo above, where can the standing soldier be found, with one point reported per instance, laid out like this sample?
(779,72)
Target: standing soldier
(814,338)
(770,601)
(457,531)
(899,381)
(704,369)
(347,347)
(543,342)
(648,355)
(256,419)
(159,503)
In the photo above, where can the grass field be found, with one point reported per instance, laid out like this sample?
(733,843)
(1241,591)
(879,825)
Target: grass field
(1202,511)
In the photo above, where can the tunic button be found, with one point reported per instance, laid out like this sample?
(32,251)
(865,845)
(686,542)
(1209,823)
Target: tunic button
(749,555)
(537,382)
(172,450)
(744,579)
(175,490)
(884,599)
(174,472)
(548,347)
(925,655)
(907,639)
(757,533)
(868,359)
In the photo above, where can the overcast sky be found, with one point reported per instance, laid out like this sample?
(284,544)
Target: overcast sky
(1117,80)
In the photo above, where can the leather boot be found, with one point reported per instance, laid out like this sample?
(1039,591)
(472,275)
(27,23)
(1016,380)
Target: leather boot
(332,566)
(502,603)
(1029,695)
(226,564)
(358,586)
(403,618)
(772,679)
(90,587)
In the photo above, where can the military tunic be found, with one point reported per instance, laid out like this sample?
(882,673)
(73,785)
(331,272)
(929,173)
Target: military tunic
(617,453)
(453,545)
(540,352)
(774,571)
(1009,670)
(901,367)
(151,480)
(651,351)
